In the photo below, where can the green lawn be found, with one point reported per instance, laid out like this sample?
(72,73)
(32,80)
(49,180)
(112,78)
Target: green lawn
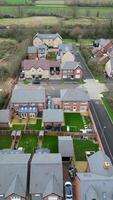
(5,142)
(16,1)
(74,121)
(81,146)
(36,126)
(51,142)
(108,108)
(81,41)
(28,142)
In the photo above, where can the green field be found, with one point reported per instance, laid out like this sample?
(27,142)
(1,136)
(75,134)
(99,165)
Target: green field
(28,142)
(74,121)
(51,142)
(81,146)
(5,142)
(17,1)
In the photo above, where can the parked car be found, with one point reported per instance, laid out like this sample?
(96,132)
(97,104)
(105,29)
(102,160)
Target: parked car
(88,130)
(35,81)
(68,191)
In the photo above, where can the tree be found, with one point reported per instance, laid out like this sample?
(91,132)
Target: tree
(76,33)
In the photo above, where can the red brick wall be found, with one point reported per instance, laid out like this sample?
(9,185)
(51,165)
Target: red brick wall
(32,56)
(77,188)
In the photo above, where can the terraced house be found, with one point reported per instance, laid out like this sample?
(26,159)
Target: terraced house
(74,100)
(14,176)
(50,40)
(28,101)
(46,177)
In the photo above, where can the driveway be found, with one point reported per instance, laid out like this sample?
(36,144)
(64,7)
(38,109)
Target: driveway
(95,88)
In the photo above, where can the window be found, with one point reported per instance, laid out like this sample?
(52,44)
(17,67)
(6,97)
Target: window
(53,198)
(14,197)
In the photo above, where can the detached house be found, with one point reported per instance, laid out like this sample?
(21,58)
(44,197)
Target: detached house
(71,70)
(28,101)
(109,68)
(97,183)
(50,40)
(75,100)
(46,177)
(65,53)
(14,176)
(41,68)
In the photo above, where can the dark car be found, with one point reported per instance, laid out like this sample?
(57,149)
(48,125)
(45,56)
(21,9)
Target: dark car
(72,171)
(35,81)
(68,191)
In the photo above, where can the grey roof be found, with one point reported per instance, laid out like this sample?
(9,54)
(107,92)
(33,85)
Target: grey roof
(103,42)
(70,65)
(42,48)
(53,115)
(13,173)
(46,174)
(65,47)
(32,49)
(65,146)
(16,187)
(96,164)
(28,95)
(10,151)
(77,94)
(4,116)
(47,36)
(111,61)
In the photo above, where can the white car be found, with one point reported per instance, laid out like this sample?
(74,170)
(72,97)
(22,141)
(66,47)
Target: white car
(68,191)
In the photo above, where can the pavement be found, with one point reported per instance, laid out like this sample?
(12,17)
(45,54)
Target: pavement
(95,88)
(104,126)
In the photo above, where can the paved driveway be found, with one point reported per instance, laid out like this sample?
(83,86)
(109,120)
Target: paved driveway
(95,88)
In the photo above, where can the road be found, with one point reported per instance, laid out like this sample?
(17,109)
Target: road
(104,126)
(86,72)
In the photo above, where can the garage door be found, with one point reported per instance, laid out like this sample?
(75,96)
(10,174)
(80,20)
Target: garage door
(77,76)
(52,198)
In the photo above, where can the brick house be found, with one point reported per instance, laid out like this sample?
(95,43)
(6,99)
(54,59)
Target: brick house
(48,69)
(37,52)
(53,119)
(28,101)
(14,175)
(46,177)
(74,100)
(4,118)
(50,40)
(71,70)
(97,183)
(109,68)
(65,53)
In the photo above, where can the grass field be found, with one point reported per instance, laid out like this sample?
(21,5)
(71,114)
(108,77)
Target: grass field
(5,142)
(61,10)
(81,146)
(51,142)
(17,1)
(28,142)
(108,108)
(74,121)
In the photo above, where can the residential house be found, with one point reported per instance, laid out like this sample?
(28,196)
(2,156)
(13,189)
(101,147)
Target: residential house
(110,52)
(74,100)
(100,49)
(109,68)
(14,176)
(28,101)
(65,147)
(46,177)
(47,69)
(97,183)
(53,119)
(4,118)
(50,40)
(32,52)
(65,53)
(71,70)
